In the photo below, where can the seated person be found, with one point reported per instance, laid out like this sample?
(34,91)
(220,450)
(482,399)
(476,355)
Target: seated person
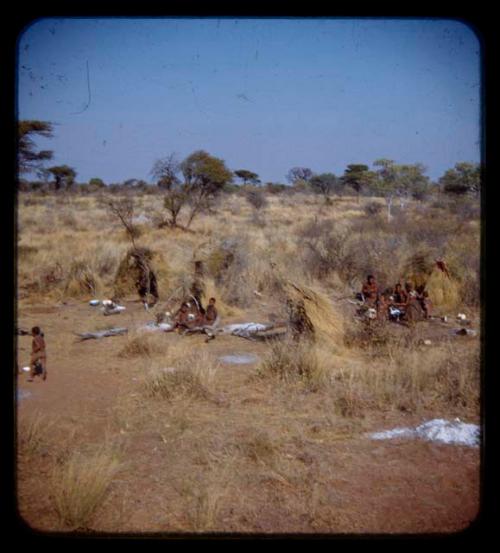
(181,319)
(211,314)
(196,318)
(400,296)
(369,291)
(410,292)
(384,304)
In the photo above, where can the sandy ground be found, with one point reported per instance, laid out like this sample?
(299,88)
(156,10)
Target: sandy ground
(337,481)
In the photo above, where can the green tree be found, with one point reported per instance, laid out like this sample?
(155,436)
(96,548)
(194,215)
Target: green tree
(413,181)
(358,177)
(96,182)
(64,176)
(464,178)
(386,182)
(247,176)
(324,183)
(29,159)
(204,178)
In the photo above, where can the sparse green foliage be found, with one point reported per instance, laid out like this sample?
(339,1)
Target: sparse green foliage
(28,158)
(324,183)
(96,183)
(358,177)
(64,176)
(205,177)
(247,176)
(464,178)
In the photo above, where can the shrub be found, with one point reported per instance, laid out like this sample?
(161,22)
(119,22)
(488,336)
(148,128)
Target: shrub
(34,433)
(373,208)
(293,362)
(191,375)
(81,483)
(256,198)
(81,280)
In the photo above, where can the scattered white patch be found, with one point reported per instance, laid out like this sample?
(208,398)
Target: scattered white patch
(155,326)
(244,329)
(26,369)
(239,358)
(113,309)
(23,394)
(140,219)
(453,432)
(169,370)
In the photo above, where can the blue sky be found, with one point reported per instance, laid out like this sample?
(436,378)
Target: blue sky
(262,94)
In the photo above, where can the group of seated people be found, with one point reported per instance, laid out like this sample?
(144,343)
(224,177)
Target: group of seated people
(193,315)
(393,303)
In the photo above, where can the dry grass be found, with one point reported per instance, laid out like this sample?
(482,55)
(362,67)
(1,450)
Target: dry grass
(80,485)
(143,345)
(327,323)
(185,374)
(226,448)
(297,362)
(34,434)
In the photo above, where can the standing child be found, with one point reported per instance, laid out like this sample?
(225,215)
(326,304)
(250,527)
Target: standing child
(38,354)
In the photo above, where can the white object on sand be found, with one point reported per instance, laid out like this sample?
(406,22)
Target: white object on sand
(245,329)
(239,358)
(453,432)
(157,326)
(26,369)
(114,309)
(94,302)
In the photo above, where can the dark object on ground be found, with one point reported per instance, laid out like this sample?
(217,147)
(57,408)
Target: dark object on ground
(465,332)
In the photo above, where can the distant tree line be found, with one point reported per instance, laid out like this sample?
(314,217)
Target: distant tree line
(189,186)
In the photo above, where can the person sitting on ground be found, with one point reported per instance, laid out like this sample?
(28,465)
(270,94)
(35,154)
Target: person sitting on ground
(384,303)
(400,297)
(211,314)
(38,355)
(180,319)
(196,317)
(410,292)
(370,292)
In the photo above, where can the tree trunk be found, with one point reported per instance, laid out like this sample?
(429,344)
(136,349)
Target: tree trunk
(389,205)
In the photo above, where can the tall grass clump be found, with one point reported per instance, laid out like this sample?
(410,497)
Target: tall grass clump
(192,375)
(81,280)
(81,483)
(33,434)
(296,363)
(411,378)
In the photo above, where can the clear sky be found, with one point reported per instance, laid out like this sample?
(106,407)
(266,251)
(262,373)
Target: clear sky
(262,94)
